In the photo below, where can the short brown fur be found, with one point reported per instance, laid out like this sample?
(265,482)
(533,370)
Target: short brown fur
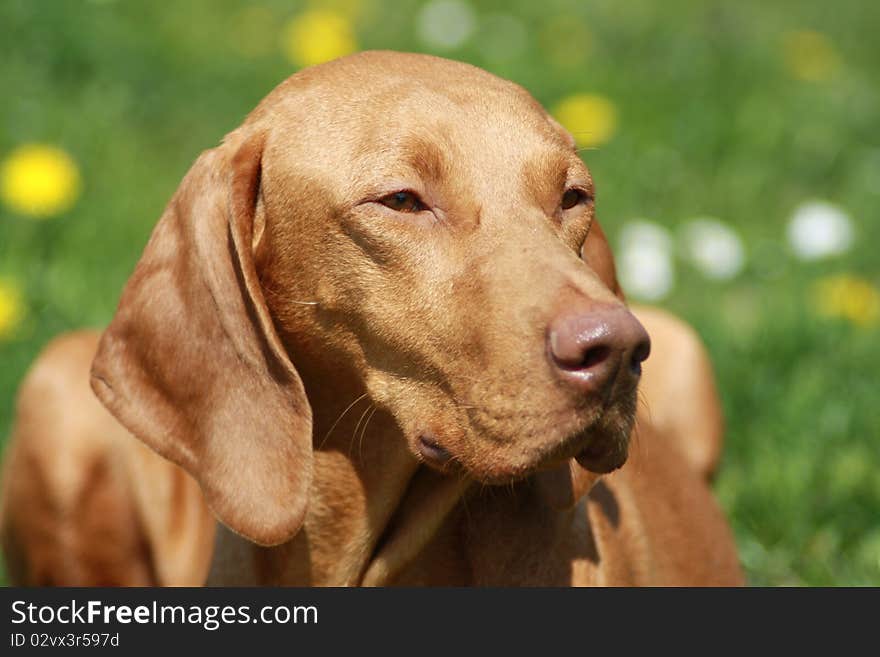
(289,340)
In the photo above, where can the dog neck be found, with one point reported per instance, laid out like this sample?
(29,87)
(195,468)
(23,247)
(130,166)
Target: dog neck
(373,506)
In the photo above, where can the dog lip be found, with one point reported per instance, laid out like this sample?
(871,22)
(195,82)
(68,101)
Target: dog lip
(599,460)
(597,452)
(432,451)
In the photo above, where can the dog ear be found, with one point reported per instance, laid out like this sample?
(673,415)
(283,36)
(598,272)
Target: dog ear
(191,363)
(597,254)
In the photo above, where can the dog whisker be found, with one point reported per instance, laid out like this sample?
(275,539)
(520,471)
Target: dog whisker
(643,402)
(348,408)
(357,427)
(635,439)
(373,409)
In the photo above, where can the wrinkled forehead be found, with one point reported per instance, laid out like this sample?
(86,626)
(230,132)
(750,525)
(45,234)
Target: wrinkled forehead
(415,115)
(432,128)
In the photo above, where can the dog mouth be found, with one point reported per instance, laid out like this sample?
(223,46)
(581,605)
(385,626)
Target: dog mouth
(603,456)
(432,452)
(600,447)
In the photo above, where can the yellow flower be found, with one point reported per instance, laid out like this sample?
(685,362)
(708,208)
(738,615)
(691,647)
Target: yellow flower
(809,55)
(318,35)
(591,119)
(848,297)
(11,308)
(39,180)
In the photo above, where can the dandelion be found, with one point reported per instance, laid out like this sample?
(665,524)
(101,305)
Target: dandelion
(713,247)
(809,55)
(848,297)
(39,180)
(317,36)
(644,262)
(445,24)
(818,230)
(590,118)
(12,309)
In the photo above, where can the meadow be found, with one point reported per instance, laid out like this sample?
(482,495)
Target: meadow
(735,148)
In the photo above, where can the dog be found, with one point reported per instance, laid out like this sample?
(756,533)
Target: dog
(380,327)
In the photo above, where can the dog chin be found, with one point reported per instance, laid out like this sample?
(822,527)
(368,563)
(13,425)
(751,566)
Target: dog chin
(604,460)
(606,442)
(607,450)
(599,444)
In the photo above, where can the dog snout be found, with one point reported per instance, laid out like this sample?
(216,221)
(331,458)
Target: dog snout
(593,349)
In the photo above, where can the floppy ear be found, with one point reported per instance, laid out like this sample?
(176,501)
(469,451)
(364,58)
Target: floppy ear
(597,253)
(191,363)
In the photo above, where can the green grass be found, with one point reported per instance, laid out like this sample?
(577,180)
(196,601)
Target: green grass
(710,123)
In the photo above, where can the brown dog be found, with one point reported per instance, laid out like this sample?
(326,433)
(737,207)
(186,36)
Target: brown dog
(380,326)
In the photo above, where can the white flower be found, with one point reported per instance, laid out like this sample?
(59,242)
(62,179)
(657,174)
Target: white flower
(713,247)
(818,230)
(644,261)
(445,24)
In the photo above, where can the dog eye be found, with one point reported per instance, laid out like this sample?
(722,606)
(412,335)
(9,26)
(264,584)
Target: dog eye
(573,197)
(404,201)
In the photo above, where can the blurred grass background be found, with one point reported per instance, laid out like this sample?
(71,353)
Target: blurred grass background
(740,111)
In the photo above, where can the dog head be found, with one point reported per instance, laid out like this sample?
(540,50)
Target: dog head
(415,225)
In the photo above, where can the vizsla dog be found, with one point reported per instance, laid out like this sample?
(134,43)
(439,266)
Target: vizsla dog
(380,327)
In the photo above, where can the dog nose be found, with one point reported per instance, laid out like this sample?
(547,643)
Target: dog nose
(591,350)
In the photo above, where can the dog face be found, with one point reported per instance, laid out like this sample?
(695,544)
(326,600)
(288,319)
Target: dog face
(414,225)
(439,237)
